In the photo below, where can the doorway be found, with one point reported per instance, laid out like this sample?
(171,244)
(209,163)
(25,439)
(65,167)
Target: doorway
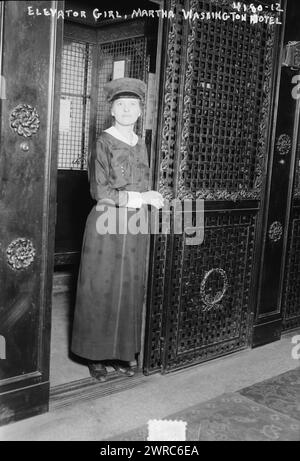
(93,54)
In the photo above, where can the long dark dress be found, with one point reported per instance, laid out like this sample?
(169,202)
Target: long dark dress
(111,282)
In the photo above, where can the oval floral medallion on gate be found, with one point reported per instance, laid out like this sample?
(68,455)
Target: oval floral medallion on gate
(208,299)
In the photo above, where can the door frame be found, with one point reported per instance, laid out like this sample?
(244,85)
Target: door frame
(63,394)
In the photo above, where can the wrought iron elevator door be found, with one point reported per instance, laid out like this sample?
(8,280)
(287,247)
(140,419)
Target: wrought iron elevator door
(216,119)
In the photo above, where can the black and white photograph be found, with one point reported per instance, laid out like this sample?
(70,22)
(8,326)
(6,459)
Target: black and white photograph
(149,223)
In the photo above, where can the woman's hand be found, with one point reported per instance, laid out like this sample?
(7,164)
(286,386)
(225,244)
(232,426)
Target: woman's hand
(154,198)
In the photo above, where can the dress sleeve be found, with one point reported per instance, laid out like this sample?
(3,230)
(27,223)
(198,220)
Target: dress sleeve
(105,183)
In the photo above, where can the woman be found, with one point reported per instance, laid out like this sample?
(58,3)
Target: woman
(110,291)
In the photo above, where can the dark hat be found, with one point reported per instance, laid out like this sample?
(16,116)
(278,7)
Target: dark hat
(126,87)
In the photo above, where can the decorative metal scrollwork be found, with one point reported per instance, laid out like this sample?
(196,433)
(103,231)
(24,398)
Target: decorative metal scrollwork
(171,101)
(20,253)
(213,301)
(283,144)
(275,231)
(24,120)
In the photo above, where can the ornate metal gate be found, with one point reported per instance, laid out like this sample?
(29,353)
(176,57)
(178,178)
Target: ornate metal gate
(216,119)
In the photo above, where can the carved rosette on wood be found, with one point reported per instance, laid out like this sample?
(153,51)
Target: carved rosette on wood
(283,144)
(208,300)
(275,231)
(24,120)
(20,253)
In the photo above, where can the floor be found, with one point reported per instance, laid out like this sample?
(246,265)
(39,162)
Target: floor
(266,411)
(156,397)
(63,366)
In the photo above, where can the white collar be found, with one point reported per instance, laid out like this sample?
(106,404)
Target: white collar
(116,134)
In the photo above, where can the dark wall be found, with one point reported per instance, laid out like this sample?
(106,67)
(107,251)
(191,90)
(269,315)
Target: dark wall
(73,206)
(292,31)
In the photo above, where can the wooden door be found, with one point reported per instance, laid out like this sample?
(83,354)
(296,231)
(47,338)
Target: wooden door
(278,289)
(30,56)
(288,140)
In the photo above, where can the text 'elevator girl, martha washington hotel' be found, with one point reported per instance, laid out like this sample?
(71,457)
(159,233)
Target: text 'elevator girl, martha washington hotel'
(220,121)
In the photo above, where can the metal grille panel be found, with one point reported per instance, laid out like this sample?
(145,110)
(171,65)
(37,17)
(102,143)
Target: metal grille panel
(195,333)
(76,87)
(76,80)
(224,136)
(158,293)
(133,51)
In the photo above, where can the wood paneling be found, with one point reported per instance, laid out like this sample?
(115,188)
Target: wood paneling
(30,66)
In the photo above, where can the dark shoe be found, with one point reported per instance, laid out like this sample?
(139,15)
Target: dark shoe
(98,371)
(123,369)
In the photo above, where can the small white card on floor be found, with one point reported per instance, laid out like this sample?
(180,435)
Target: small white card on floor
(165,430)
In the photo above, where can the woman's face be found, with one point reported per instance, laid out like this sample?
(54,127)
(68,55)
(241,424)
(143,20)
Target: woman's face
(126,110)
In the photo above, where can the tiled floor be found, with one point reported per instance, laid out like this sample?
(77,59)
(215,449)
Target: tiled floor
(157,397)
(266,411)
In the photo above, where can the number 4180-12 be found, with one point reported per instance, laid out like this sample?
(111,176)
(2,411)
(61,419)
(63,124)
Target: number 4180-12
(241,7)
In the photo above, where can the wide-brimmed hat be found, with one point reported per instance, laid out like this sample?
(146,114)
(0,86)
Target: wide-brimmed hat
(125,87)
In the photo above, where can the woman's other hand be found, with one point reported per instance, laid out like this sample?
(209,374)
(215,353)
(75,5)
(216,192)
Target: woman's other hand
(154,198)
